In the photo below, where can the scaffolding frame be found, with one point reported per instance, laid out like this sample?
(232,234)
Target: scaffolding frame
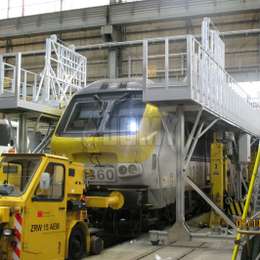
(64,73)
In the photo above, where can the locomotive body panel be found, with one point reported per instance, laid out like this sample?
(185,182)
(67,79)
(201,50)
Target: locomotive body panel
(123,144)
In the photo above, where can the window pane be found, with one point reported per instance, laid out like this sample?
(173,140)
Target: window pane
(86,117)
(126,116)
(16,173)
(52,183)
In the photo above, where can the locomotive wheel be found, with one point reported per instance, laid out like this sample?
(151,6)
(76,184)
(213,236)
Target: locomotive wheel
(155,243)
(77,244)
(97,245)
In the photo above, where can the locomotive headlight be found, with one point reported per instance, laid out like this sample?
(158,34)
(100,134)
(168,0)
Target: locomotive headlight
(133,169)
(133,127)
(122,170)
(129,169)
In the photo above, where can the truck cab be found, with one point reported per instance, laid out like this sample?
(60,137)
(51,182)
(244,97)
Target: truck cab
(42,206)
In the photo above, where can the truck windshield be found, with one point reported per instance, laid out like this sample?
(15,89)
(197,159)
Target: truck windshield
(16,173)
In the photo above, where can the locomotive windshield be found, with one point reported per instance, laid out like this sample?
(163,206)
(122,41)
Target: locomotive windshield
(103,114)
(85,115)
(125,116)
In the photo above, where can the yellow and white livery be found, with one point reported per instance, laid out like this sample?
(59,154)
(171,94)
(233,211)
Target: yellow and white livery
(124,146)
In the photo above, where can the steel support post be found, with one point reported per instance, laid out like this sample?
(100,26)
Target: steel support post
(1,75)
(180,207)
(22,139)
(113,63)
(179,230)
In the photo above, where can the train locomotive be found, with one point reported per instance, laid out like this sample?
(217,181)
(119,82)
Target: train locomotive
(125,147)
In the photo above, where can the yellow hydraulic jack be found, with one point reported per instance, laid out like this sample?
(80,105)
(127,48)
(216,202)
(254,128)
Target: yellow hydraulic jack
(247,204)
(217,179)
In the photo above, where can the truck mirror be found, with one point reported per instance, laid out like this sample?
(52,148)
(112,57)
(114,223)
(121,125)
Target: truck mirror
(45,181)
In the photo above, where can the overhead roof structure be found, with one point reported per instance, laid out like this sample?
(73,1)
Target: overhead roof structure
(118,14)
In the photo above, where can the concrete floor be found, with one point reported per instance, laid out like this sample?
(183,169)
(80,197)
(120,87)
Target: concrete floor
(185,250)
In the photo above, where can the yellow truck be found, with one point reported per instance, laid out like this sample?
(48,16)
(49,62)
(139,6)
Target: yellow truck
(43,209)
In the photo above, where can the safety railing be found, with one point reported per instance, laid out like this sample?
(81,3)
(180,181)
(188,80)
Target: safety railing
(212,87)
(7,79)
(28,85)
(65,72)
(205,80)
(165,62)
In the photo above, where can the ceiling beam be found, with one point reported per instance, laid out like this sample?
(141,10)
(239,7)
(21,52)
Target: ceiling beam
(122,13)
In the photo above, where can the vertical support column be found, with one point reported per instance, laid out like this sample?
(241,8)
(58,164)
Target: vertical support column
(180,184)
(22,134)
(179,230)
(18,64)
(111,33)
(113,63)
(145,62)
(166,61)
(129,67)
(1,75)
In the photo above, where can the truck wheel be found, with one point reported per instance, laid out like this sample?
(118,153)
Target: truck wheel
(77,244)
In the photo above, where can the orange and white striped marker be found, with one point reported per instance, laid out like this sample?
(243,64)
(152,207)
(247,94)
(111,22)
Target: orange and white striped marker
(18,221)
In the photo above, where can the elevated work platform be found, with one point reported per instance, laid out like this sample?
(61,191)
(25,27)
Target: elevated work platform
(193,73)
(46,92)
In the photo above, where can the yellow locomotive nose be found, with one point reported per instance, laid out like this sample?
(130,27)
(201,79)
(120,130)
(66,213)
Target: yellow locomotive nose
(4,214)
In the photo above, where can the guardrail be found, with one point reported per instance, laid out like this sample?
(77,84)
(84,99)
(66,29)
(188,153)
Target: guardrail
(212,87)
(7,79)
(169,67)
(65,71)
(205,79)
